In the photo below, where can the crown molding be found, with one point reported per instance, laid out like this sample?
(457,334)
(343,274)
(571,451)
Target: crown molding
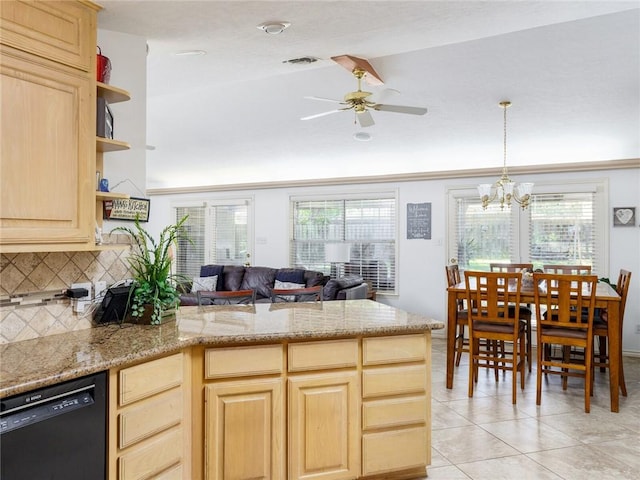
(630,163)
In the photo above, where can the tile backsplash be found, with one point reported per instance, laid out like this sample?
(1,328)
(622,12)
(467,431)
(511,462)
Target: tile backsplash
(31,283)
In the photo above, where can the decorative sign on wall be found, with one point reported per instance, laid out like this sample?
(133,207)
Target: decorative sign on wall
(624,217)
(127,209)
(419,221)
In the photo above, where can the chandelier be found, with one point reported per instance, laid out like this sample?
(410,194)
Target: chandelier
(505,189)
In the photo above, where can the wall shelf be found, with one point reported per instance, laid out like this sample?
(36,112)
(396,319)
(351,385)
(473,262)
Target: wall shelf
(110,145)
(101,196)
(112,94)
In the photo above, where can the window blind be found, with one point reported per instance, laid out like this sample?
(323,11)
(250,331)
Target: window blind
(562,229)
(482,236)
(367,225)
(219,234)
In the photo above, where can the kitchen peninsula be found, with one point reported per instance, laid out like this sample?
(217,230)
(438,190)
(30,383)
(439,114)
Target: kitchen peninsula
(324,390)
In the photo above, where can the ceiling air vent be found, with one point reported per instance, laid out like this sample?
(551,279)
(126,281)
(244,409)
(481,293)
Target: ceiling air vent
(301,60)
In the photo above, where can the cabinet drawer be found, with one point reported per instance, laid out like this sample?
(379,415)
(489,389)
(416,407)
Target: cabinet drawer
(174,473)
(394,412)
(322,355)
(377,382)
(394,450)
(150,378)
(151,417)
(243,361)
(60,31)
(403,348)
(155,456)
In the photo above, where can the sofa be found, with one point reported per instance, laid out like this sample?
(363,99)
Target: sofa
(264,279)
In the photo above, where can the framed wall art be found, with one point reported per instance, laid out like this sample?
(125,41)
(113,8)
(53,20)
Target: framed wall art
(127,209)
(624,216)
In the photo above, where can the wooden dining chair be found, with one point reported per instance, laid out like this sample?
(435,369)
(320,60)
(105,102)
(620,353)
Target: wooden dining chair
(307,294)
(525,310)
(491,293)
(600,330)
(510,267)
(565,306)
(461,343)
(244,297)
(567,269)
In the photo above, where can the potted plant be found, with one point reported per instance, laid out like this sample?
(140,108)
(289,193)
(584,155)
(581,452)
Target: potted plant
(154,290)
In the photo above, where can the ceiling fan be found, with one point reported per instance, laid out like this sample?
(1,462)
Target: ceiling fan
(358,100)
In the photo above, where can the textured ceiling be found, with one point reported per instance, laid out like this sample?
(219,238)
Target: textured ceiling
(571,69)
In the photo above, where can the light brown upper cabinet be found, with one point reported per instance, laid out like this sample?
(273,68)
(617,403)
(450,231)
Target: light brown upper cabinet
(48,108)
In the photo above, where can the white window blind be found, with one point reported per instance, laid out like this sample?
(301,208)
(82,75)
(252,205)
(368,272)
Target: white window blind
(562,229)
(367,225)
(219,234)
(563,225)
(482,236)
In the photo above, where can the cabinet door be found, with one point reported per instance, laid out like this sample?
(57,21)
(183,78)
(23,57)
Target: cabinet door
(47,155)
(323,426)
(244,430)
(63,31)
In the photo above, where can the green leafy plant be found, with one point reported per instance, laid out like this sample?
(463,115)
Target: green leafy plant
(150,263)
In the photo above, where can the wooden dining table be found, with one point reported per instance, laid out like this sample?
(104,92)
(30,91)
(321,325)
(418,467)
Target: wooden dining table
(606,297)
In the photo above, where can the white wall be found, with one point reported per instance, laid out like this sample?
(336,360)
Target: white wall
(421,280)
(128,56)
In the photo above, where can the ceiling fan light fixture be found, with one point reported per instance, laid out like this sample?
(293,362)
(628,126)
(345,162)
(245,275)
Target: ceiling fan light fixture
(274,28)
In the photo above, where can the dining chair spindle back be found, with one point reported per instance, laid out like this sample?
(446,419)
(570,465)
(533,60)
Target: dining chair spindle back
(600,329)
(565,306)
(492,320)
(461,344)
(567,269)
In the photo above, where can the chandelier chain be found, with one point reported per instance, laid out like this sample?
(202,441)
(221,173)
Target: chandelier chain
(504,189)
(504,142)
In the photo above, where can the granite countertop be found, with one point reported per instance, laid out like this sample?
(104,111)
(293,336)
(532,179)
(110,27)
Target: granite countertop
(44,361)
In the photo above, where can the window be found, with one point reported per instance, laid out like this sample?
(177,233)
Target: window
(219,234)
(564,224)
(367,224)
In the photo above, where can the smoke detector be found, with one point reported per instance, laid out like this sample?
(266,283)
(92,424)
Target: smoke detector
(362,136)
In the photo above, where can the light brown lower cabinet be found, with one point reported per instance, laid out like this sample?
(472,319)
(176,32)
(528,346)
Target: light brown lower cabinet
(149,420)
(244,430)
(396,413)
(322,410)
(323,429)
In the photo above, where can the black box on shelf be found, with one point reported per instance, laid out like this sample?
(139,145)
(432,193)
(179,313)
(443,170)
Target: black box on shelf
(104,119)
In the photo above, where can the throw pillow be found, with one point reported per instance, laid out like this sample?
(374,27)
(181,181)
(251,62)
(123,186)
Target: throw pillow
(287,286)
(206,284)
(290,275)
(213,271)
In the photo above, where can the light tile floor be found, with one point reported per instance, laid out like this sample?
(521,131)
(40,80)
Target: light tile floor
(486,437)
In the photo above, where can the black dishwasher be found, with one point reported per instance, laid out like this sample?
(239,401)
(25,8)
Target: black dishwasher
(55,433)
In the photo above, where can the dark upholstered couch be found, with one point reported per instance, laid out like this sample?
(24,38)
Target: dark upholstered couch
(263,279)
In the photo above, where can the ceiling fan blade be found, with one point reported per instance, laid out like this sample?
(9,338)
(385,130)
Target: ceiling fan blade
(400,109)
(365,119)
(317,115)
(322,99)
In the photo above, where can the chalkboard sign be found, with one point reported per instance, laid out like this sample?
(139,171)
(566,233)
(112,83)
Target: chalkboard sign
(419,221)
